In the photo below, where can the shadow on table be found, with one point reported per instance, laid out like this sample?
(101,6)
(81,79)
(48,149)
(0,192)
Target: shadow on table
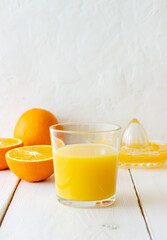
(48,180)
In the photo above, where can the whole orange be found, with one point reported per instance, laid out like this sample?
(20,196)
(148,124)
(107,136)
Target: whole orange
(33,127)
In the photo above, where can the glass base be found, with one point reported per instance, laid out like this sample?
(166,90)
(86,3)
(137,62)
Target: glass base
(88,204)
(141,165)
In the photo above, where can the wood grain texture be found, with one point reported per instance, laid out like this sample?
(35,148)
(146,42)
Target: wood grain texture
(35,214)
(8,183)
(151,186)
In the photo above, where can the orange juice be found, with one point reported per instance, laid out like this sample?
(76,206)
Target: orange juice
(85,172)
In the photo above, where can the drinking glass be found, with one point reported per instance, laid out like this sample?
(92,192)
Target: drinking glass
(85,159)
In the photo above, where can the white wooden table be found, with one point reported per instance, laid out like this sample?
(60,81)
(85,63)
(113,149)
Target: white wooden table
(29,211)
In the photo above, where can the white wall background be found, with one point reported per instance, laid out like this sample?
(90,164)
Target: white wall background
(84,60)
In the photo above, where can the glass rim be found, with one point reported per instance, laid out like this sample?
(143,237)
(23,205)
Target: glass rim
(117,127)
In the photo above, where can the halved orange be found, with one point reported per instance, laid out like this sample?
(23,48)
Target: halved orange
(5,145)
(31,163)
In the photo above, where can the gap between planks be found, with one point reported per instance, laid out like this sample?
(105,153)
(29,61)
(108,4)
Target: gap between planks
(11,198)
(140,204)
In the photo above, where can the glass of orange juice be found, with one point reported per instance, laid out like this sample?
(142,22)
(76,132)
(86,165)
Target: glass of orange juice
(85,159)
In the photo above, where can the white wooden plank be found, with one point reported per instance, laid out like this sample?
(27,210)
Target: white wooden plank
(35,214)
(8,183)
(151,186)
